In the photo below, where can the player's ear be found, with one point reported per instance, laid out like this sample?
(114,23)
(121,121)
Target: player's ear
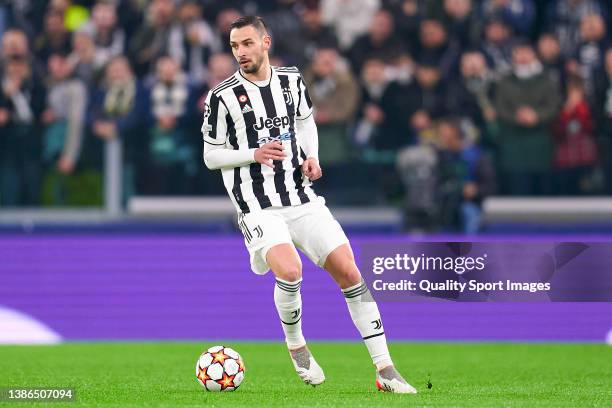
(267,42)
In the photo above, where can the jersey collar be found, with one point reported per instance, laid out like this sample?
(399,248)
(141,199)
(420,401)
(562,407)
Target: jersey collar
(259,86)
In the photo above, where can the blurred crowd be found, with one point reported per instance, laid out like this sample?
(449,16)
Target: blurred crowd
(427,104)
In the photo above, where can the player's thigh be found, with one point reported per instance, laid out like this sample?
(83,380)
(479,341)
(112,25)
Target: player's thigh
(262,230)
(285,262)
(316,232)
(340,264)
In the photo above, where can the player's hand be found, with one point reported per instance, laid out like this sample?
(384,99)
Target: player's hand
(470,190)
(65,165)
(269,152)
(311,169)
(5,116)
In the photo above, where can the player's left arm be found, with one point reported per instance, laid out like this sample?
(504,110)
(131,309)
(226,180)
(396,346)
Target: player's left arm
(308,135)
(307,129)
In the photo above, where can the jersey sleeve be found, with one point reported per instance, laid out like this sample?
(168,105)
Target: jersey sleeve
(214,126)
(304,106)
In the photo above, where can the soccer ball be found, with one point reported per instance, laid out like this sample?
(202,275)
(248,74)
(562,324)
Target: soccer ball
(220,369)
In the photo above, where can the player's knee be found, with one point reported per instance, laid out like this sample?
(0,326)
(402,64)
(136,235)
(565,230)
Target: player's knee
(290,272)
(292,275)
(347,273)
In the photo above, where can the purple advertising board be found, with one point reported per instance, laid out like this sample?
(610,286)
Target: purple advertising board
(121,286)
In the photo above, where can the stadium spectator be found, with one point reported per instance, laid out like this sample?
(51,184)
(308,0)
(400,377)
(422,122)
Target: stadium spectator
(160,35)
(55,38)
(22,99)
(400,68)
(24,15)
(519,14)
(369,127)
(313,34)
(591,49)
(348,18)
(15,45)
(83,58)
(408,15)
(64,117)
(220,67)
(429,91)
(214,8)
(224,21)
(4,15)
(497,45)
(462,23)
(120,110)
(575,148)
(199,42)
(563,17)
(465,177)
(445,181)
(130,14)
(333,91)
(470,97)
(388,36)
(603,115)
(171,162)
(526,101)
(379,40)
(396,102)
(283,23)
(109,39)
(436,48)
(549,53)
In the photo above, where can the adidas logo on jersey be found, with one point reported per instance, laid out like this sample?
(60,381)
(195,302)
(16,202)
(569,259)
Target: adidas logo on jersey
(247,109)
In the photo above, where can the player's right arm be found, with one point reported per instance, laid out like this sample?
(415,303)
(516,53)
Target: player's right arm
(216,153)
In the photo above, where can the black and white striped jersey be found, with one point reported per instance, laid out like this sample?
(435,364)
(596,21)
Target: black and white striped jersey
(240,114)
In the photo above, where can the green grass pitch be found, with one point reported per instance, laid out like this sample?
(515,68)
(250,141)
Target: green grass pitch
(462,374)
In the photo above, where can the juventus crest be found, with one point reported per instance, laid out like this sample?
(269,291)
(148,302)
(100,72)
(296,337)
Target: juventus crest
(287,95)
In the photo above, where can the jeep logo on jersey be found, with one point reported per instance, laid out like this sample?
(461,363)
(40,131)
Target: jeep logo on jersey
(271,123)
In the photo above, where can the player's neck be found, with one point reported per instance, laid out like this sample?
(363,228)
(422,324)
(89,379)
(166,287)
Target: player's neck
(263,74)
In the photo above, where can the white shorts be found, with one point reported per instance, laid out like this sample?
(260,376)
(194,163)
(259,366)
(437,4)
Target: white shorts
(311,227)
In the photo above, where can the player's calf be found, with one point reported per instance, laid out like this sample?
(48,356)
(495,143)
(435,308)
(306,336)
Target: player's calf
(340,263)
(288,301)
(286,265)
(366,317)
(289,306)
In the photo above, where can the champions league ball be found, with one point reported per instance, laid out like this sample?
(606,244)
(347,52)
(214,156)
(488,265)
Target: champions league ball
(220,369)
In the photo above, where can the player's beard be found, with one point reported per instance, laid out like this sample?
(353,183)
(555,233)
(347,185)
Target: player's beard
(254,67)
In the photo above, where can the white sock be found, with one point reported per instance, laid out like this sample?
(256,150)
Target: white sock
(288,303)
(365,315)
